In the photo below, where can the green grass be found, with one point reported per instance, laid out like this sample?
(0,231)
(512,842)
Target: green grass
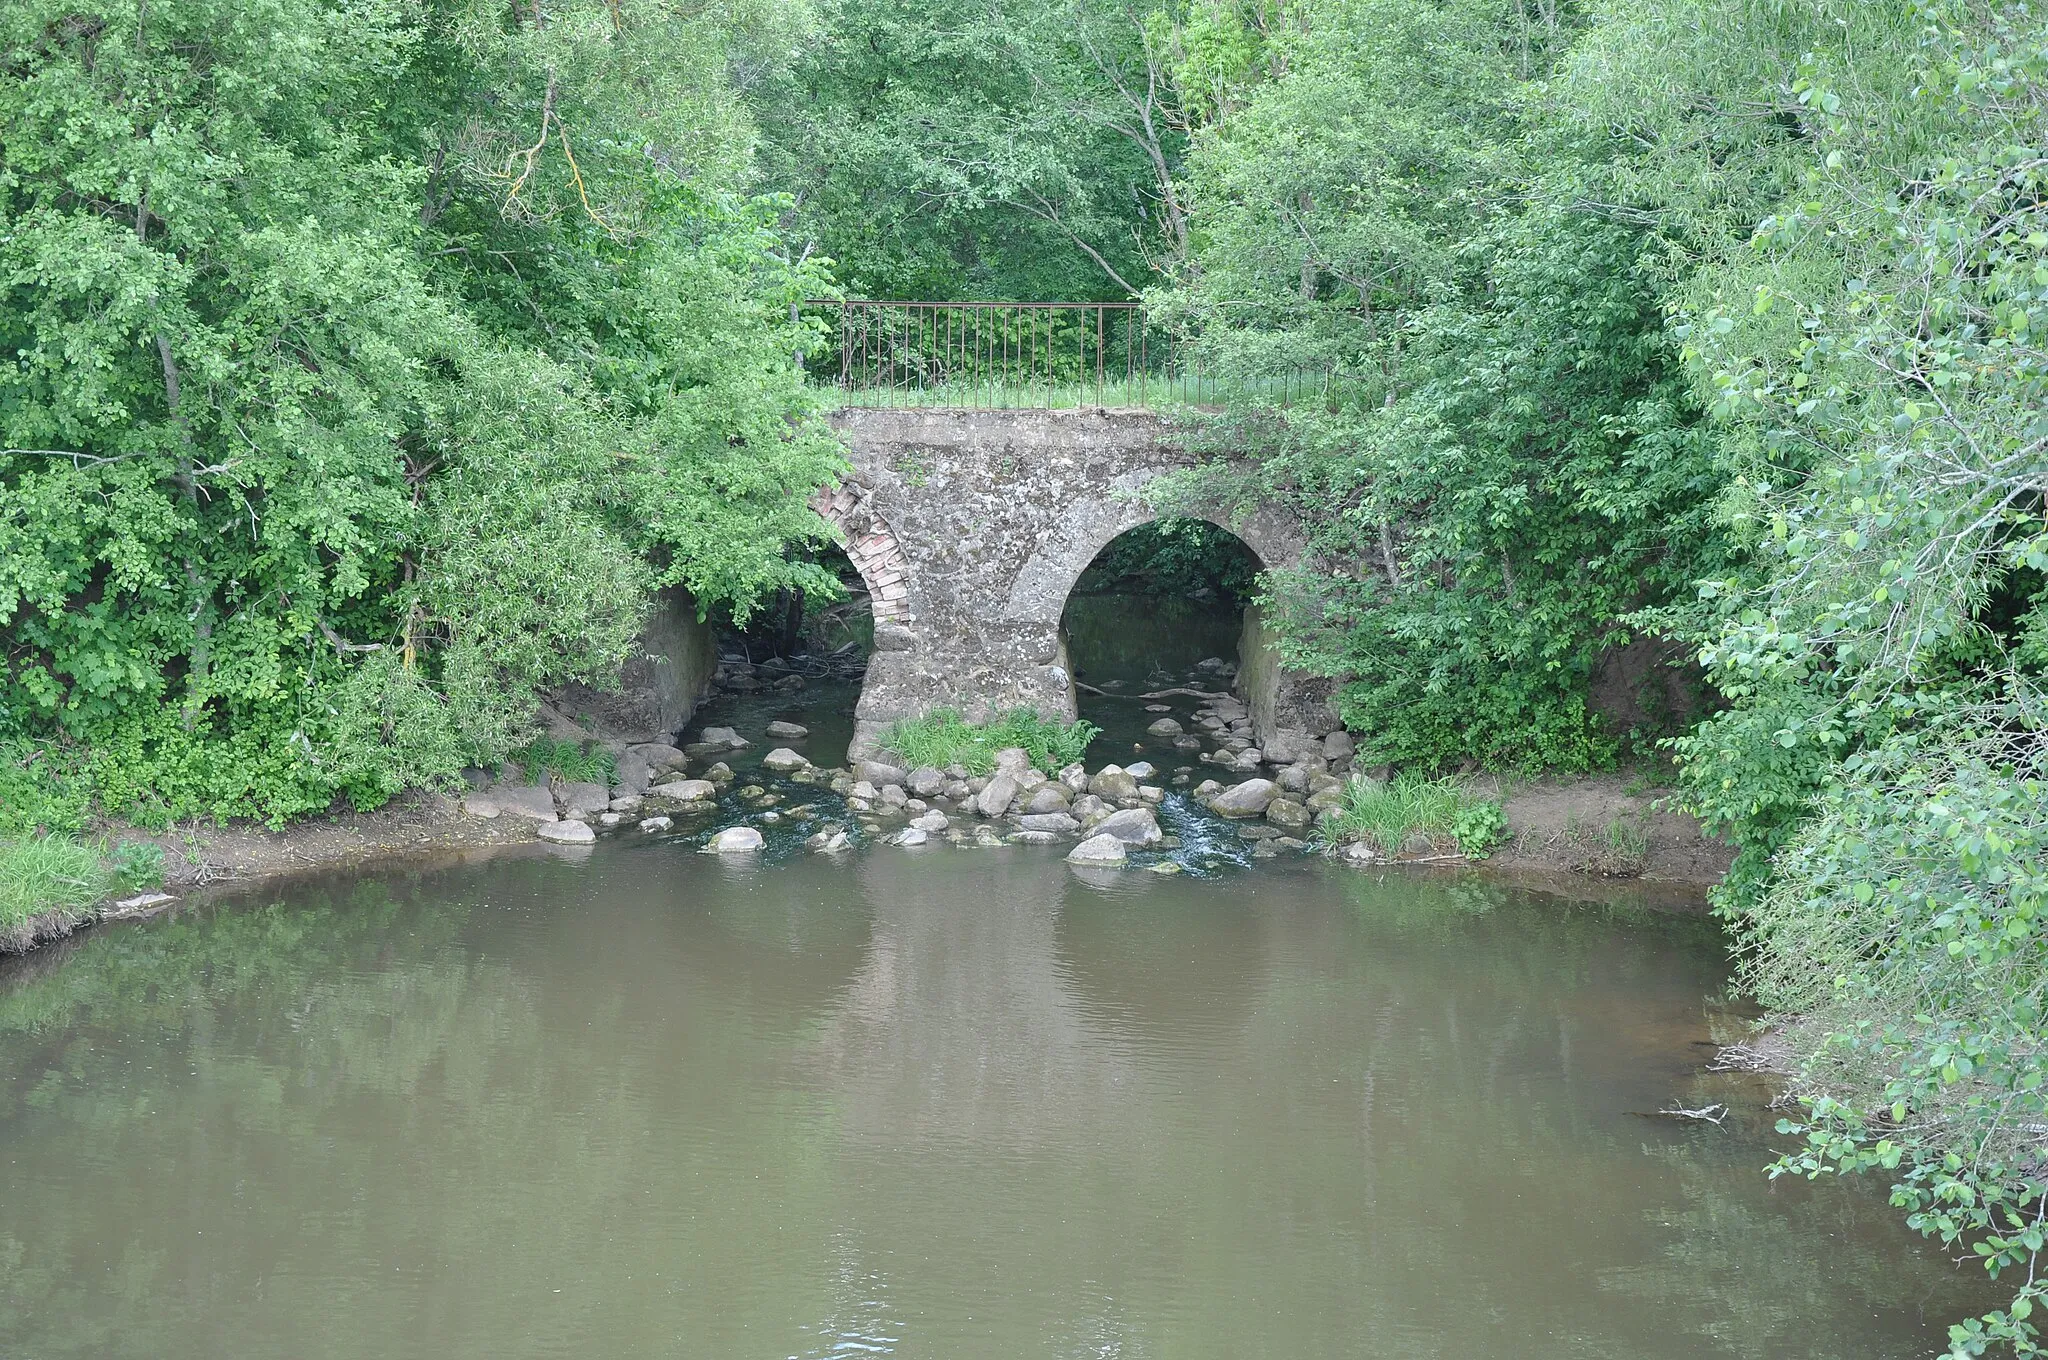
(578,762)
(1444,813)
(60,874)
(942,737)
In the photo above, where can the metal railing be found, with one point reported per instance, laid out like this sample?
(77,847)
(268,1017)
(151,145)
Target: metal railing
(1000,354)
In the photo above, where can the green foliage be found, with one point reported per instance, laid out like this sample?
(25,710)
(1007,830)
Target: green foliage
(1394,815)
(942,737)
(944,149)
(1173,555)
(583,762)
(1872,354)
(136,864)
(1509,451)
(49,874)
(368,367)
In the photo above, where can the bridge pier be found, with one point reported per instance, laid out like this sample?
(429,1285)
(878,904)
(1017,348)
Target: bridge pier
(970,528)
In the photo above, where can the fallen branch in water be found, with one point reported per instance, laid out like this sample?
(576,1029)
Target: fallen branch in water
(1170,693)
(1711,1114)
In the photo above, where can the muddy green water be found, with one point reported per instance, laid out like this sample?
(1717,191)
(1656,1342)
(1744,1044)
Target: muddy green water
(937,1103)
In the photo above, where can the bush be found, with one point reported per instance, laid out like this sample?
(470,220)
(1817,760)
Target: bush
(942,737)
(1444,812)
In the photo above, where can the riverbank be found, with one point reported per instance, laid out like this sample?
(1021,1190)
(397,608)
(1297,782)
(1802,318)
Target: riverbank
(1560,831)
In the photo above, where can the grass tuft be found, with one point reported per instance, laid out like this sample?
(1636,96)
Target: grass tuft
(942,737)
(49,874)
(1392,815)
(578,762)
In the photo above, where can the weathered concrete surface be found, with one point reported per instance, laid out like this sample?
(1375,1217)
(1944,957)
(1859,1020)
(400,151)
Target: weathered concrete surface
(970,529)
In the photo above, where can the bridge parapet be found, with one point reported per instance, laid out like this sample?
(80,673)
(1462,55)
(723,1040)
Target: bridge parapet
(971,527)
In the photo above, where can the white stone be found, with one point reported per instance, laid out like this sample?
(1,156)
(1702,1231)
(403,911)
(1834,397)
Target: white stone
(1102,849)
(736,840)
(782,760)
(656,824)
(565,833)
(685,790)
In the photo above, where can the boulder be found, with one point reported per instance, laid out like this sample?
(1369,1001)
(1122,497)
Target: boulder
(1088,807)
(1048,797)
(1113,783)
(994,799)
(863,789)
(1052,822)
(1075,777)
(1326,798)
(1163,727)
(1032,838)
(829,841)
(878,772)
(625,802)
(584,799)
(651,824)
(1210,663)
(1159,708)
(610,818)
(735,840)
(721,773)
(722,736)
(1289,745)
(910,835)
(685,791)
(957,790)
(1338,745)
(893,796)
(1098,850)
(931,821)
(1152,793)
(788,731)
(926,782)
(1132,826)
(1293,779)
(531,801)
(1141,770)
(633,774)
(480,805)
(782,760)
(565,833)
(1248,799)
(1029,778)
(1207,789)
(1013,761)
(658,756)
(1288,813)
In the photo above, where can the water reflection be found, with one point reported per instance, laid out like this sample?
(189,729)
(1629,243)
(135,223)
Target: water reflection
(942,1105)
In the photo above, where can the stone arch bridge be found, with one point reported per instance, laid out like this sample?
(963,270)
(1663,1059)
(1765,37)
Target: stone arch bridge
(970,528)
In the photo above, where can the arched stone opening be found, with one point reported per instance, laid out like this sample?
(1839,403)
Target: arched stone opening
(871,545)
(1289,711)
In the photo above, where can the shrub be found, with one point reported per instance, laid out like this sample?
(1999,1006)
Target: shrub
(942,737)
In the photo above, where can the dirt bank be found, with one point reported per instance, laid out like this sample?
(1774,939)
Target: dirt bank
(1603,826)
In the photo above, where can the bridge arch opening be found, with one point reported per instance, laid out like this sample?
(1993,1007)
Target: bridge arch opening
(1155,632)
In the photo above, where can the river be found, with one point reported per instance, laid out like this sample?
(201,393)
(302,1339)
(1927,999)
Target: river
(933,1103)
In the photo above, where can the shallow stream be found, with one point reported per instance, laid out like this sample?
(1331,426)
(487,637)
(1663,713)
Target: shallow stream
(942,1103)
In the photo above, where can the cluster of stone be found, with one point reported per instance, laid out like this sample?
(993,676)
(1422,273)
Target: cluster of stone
(652,787)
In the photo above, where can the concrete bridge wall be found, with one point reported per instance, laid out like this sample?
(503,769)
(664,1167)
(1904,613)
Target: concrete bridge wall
(970,529)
